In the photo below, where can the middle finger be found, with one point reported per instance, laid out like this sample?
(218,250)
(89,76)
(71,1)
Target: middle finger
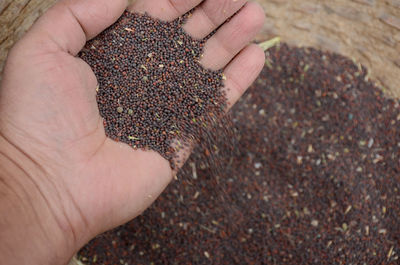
(210,15)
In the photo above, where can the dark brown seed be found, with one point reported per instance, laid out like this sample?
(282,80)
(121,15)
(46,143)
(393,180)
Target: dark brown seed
(152,89)
(315,178)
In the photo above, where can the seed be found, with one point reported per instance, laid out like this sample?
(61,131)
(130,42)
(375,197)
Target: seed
(136,73)
(302,207)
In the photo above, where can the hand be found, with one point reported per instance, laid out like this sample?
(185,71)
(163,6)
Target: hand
(63,180)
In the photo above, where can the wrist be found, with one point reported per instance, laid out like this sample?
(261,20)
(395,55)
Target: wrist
(31,231)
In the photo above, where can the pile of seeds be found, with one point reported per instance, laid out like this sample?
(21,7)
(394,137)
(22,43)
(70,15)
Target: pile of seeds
(315,179)
(153,93)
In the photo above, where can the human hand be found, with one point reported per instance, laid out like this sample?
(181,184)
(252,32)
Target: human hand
(65,181)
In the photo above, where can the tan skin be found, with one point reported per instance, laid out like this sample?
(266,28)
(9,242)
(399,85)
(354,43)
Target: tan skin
(61,180)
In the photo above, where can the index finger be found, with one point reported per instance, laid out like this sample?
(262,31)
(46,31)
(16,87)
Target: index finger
(166,10)
(70,23)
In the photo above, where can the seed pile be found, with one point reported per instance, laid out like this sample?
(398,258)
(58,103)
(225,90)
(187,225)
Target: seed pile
(153,93)
(315,180)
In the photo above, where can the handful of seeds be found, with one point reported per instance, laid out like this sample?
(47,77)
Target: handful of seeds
(153,93)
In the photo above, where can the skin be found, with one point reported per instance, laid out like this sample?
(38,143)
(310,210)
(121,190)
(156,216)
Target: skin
(61,180)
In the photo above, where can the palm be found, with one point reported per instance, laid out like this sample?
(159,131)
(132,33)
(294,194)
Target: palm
(49,100)
(63,115)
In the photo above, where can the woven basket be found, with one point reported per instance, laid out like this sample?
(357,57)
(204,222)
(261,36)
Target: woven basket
(367,31)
